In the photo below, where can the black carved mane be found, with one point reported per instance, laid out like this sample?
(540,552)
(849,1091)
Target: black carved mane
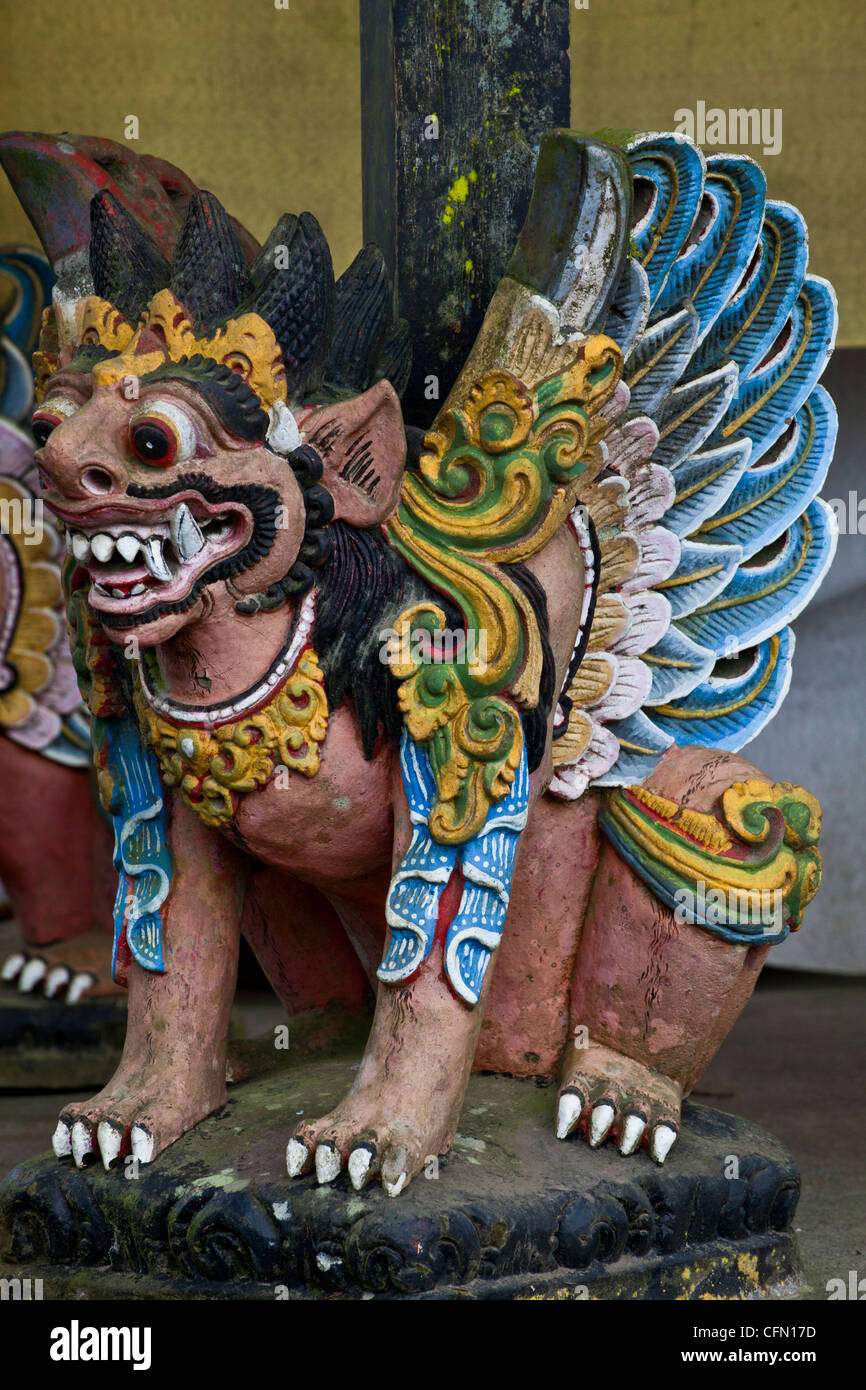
(337,338)
(363,587)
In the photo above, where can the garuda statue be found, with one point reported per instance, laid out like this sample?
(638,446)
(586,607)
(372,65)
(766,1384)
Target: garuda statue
(446,702)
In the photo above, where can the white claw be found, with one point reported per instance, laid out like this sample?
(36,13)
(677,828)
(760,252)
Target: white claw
(31,975)
(141,1143)
(327,1163)
(632,1133)
(61,1139)
(568,1113)
(394,1189)
(82,1142)
(599,1124)
(663,1140)
(11,966)
(296,1156)
(359,1166)
(55,980)
(80,983)
(109,1139)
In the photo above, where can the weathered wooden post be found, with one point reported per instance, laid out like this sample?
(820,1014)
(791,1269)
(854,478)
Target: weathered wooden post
(454,98)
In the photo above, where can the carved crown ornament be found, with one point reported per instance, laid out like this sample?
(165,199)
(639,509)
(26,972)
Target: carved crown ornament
(246,345)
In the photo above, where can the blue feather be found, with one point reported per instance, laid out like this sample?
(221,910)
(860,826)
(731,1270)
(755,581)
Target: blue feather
(659,360)
(771,590)
(704,482)
(641,744)
(691,413)
(677,665)
(35,281)
(721,244)
(702,573)
(728,712)
(752,319)
(16,391)
(674,168)
(630,307)
(768,498)
(766,400)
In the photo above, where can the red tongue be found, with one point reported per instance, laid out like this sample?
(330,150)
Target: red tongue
(112,583)
(105,574)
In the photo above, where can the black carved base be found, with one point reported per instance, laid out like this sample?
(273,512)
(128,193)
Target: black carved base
(511,1214)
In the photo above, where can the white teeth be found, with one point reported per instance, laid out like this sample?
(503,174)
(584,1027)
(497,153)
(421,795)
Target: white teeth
(154,559)
(119,593)
(186,533)
(128,547)
(80,547)
(102,547)
(138,589)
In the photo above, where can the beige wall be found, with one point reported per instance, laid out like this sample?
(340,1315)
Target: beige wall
(263,105)
(636,62)
(259,105)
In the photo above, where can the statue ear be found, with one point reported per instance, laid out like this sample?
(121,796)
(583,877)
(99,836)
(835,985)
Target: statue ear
(362,446)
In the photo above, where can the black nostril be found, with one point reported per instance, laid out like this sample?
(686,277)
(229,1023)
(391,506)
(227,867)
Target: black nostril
(97,480)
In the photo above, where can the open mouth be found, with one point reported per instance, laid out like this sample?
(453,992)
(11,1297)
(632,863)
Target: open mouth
(137,560)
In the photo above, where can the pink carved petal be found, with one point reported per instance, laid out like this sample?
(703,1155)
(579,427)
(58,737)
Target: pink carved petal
(659,557)
(631,444)
(651,494)
(36,731)
(650,620)
(629,692)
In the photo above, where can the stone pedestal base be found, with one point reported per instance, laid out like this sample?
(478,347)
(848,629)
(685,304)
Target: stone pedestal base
(512,1213)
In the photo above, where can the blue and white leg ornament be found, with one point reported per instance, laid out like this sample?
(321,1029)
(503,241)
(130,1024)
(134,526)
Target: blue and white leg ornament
(488,868)
(424,870)
(141,854)
(487,863)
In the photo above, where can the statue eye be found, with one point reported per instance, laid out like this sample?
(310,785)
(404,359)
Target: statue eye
(42,425)
(153,442)
(160,434)
(50,414)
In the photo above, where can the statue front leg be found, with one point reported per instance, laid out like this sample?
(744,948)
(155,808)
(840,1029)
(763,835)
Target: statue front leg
(446,909)
(663,972)
(173,1069)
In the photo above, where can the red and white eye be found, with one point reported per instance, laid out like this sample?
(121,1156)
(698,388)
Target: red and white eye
(161,434)
(50,414)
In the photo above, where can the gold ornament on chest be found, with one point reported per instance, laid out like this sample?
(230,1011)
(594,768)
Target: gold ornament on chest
(214,767)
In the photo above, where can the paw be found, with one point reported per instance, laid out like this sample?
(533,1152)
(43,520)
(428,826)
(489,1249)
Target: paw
(135,1123)
(605,1095)
(362,1142)
(69,971)
(31,973)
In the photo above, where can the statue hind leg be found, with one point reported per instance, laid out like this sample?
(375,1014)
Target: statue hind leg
(654,993)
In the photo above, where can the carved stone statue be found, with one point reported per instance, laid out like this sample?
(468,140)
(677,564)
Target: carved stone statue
(474,698)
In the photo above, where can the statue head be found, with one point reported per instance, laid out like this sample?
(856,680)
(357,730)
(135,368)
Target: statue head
(201,422)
